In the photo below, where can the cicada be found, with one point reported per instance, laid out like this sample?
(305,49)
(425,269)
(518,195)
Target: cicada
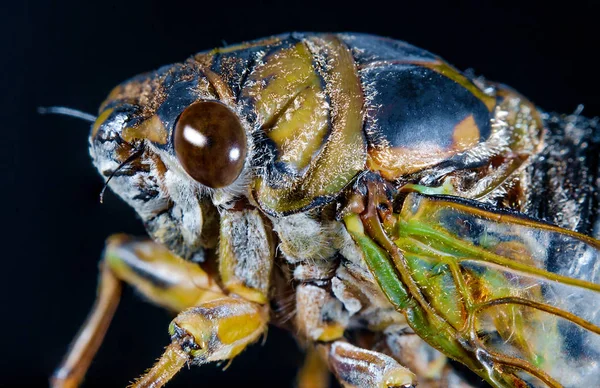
(389,210)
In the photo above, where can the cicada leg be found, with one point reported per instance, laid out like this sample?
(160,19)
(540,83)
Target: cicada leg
(358,367)
(246,254)
(321,319)
(314,372)
(73,368)
(213,331)
(220,329)
(410,350)
(162,277)
(429,365)
(353,367)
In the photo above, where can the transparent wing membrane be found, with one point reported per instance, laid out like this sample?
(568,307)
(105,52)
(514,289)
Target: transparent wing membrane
(524,294)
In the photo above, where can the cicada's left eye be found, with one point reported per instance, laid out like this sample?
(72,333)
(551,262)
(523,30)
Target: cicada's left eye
(210,143)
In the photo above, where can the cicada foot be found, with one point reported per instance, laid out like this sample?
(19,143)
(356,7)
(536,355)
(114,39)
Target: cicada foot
(160,276)
(360,368)
(214,331)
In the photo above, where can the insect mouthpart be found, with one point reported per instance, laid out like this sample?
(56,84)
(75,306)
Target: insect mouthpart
(130,159)
(107,146)
(129,168)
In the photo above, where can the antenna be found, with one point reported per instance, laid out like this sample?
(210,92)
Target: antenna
(62,110)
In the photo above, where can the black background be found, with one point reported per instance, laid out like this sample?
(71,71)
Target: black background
(73,52)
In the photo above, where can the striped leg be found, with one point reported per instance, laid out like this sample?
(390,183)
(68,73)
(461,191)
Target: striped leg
(162,277)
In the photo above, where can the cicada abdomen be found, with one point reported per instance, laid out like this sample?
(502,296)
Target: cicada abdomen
(565,176)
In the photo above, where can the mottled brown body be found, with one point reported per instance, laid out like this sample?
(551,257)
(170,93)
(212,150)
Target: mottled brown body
(336,127)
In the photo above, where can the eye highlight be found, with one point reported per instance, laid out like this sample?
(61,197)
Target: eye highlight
(210,143)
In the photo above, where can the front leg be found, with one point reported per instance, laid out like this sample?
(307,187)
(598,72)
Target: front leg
(220,329)
(214,331)
(246,253)
(246,257)
(77,361)
(159,275)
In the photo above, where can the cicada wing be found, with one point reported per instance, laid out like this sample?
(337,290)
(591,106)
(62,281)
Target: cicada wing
(524,294)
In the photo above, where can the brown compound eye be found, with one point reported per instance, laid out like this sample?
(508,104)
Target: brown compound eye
(210,143)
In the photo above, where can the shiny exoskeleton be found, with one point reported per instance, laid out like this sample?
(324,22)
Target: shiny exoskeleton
(388,209)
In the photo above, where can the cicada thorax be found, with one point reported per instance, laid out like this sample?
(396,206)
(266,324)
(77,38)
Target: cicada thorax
(420,114)
(428,123)
(494,171)
(323,108)
(307,102)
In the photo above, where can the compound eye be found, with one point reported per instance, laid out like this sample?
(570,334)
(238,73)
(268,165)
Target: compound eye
(210,143)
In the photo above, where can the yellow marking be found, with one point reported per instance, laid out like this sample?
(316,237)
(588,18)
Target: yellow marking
(291,105)
(395,162)
(466,134)
(100,120)
(331,332)
(226,261)
(234,322)
(241,46)
(300,130)
(251,294)
(277,81)
(114,93)
(223,91)
(238,327)
(151,129)
(188,284)
(344,154)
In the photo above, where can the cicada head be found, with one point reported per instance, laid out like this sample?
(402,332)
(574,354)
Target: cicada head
(172,147)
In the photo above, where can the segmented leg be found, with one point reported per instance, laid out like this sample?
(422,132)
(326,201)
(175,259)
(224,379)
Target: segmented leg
(409,349)
(214,331)
(429,365)
(321,317)
(246,258)
(314,372)
(88,340)
(159,275)
(361,368)
(246,253)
